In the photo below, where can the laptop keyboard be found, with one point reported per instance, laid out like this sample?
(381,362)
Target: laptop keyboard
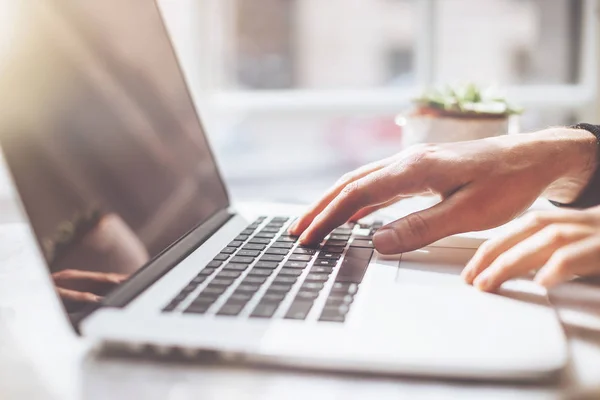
(265,273)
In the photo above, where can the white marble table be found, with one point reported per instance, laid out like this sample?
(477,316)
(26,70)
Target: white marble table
(41,358)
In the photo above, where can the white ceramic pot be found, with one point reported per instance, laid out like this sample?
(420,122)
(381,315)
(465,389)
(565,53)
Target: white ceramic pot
(436,129)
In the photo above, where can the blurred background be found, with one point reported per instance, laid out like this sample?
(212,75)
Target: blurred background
(294,93)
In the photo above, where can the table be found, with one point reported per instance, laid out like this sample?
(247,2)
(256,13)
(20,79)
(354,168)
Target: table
(41,358)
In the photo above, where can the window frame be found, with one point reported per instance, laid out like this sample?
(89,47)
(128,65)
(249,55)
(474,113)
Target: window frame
(207,35)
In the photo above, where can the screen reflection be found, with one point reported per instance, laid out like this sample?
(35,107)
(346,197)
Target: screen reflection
(102,140)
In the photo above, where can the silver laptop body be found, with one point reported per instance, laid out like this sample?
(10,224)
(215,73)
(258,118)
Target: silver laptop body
(136,230)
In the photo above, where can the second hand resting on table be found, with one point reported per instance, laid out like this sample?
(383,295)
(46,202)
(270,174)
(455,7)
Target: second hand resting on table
(483,184)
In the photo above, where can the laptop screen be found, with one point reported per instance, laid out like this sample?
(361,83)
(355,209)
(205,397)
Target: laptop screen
(102,140)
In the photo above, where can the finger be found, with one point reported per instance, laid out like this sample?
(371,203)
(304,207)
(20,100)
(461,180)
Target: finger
(581,258)
(77,297)
(531,223)
(375,188)
(97,282)
(425,227)
(371,209)
(530,254)
(304,221)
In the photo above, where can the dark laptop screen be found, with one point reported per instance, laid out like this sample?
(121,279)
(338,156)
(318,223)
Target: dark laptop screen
(102,139)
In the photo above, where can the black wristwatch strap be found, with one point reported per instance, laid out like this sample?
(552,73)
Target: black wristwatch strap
(591,194)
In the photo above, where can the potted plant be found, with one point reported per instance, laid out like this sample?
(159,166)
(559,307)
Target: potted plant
(456,113)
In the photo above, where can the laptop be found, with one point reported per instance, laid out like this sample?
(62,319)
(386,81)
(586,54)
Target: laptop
(135,227)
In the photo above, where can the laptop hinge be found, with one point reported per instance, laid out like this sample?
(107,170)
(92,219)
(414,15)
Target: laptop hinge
(165,261)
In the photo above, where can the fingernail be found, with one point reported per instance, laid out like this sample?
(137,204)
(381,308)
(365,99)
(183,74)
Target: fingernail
(466,275)
(482,282)
(386,241)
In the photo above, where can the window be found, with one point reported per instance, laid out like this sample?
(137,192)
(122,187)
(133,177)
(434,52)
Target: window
(309,88)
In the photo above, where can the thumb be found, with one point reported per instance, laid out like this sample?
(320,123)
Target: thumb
(424,227)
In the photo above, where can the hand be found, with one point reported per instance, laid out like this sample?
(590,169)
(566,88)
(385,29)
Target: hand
(558,244)
(80,287)
(482,183)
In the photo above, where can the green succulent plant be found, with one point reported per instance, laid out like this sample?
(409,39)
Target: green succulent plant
(466,99)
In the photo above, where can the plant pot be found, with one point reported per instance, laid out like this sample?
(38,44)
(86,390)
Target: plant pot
(418,128)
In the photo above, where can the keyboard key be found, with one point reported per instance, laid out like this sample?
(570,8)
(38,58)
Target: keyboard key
(334,300)
(280,288)
(339,310)
(295,264)
(272,257)
(221,257)
(206,271)
(242,260)
(274,250)
(240,297)
(312,286)
(265,235)
(254,246)
(229,274)
(344,288)
(221,282)
(228,250)
(266,264)
(241,238)
(170,307)
(271,229)
(247,253)
(247,288)
(280,219)
(329,256)
(342,231)
(329,316)
(212,290)
(289,239)
(198,280)
(362,243)
(290,272)
(197,308)
(214,264)
(235,243)
(273,297)
(260,272)
(354,265)
(235,267)
(299,310)
(247,232)
(300,257)
(311,277)
(264,310)
(332,249)
(257,240)
(254,280)
(336,243)
(205,299)
(305,250)
(285,279)
(321,270)
(345,238)
(306,295)
(231,309)
(282,245)
(325,263)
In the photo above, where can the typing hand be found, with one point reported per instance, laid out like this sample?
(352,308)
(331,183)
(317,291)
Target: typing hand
(80,287)
(482,183)
(558,244)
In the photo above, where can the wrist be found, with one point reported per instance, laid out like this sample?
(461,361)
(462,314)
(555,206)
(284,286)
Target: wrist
(571,161)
